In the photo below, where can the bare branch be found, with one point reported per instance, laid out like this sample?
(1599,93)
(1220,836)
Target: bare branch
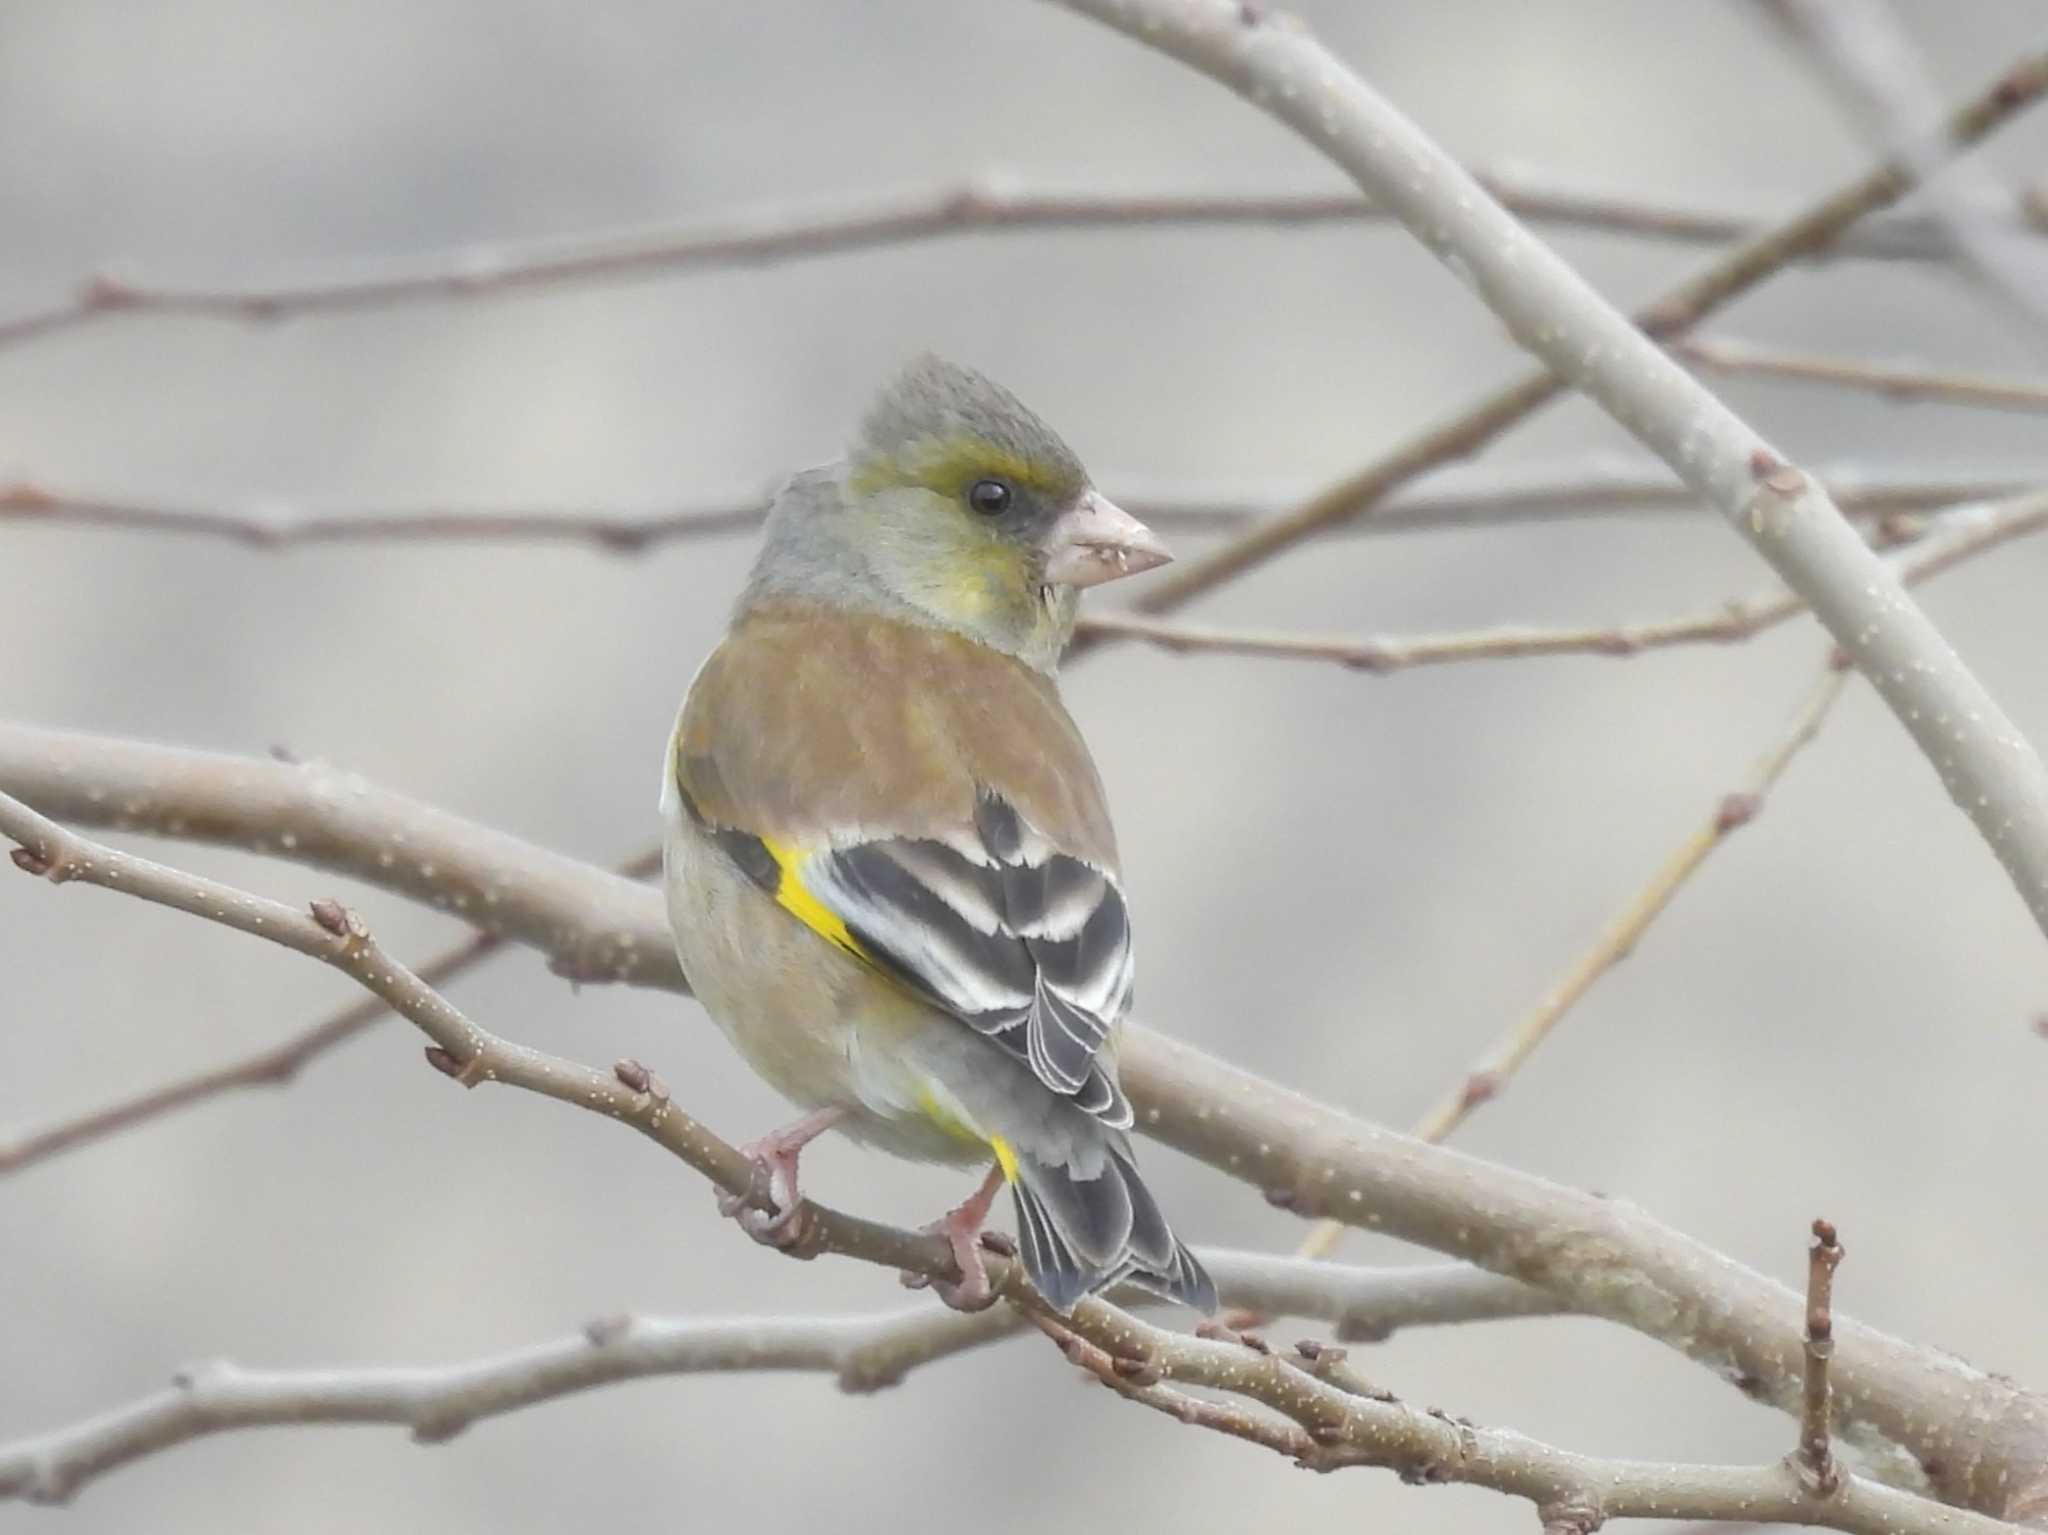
(1324,1425)
(1862,52)
(1332,1426)
(770,236)
(273,1066)
(462,1048)
(592,925)
(1456,496)
(1491,1075)
(1733,811)
(1446,201)
(276,525)
(1962,535)
(1816,1452)
(1895,381)
(863,1354)
(1927,1417)
(1990,771)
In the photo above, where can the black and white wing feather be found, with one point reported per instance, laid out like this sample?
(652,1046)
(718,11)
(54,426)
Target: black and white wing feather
(1027,945)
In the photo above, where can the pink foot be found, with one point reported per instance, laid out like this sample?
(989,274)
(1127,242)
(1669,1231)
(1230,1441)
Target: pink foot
(776,1153)
(961,1227)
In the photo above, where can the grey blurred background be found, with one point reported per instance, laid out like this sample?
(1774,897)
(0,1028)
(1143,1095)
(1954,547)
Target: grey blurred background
(1349,883)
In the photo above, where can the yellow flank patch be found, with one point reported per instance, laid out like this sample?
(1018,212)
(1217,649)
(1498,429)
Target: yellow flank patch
(1005,1156)
(936,1110)
(794,897)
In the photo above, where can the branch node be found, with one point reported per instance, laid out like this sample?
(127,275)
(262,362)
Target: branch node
(103,291)
(1480,1087)
(604,1331)
(438,1430)
(1369,657)
(866,1371)
(190,1378)
(1574,1514)
(34,861)
(26,496)
(341,921)
(1354,1328)
(1815,1462)
(1736,810)
(1139,1372)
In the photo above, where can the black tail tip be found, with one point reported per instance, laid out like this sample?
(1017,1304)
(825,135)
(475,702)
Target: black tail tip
(1188,1282)
(1081,1235)
(1065,1284)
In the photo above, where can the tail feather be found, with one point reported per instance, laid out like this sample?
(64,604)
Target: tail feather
(1079,1235)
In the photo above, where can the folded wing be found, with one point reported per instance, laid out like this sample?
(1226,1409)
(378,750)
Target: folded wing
(1028,946)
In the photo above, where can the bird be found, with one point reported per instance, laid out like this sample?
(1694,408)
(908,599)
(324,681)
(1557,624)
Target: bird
(888,858)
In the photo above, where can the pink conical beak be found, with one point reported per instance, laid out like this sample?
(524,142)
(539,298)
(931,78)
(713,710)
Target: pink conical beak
(1096,541)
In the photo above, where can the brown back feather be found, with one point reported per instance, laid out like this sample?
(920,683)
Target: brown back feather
(807,721)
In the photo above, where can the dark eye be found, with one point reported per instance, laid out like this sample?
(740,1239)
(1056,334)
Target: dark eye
(991,498)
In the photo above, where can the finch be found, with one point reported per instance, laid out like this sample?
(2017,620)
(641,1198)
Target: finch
(890,866)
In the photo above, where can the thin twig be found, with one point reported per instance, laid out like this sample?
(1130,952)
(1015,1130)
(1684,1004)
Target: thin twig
(768,236)
(1602,1256)
(272,1066)
(1960,535)
(1679,309)
(1895,381)
(1862,51)
(1325,1425)
(1816,1452)
(862,1353)
(462,1048)
(1616,942)
(1993,775)
(1456,496)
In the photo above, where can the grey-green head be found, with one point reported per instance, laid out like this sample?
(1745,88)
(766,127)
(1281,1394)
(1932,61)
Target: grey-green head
(956,507)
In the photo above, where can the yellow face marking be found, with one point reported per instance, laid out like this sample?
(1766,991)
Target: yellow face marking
(794,897)
(948,465)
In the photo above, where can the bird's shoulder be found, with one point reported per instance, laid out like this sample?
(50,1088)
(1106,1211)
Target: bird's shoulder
(813,723)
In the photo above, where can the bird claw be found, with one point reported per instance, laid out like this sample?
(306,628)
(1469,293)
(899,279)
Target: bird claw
(961,1228)
(787,1225)
(972,1290)
(784,1227)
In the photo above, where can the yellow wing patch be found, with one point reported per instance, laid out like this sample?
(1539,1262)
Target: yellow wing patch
(794,897)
